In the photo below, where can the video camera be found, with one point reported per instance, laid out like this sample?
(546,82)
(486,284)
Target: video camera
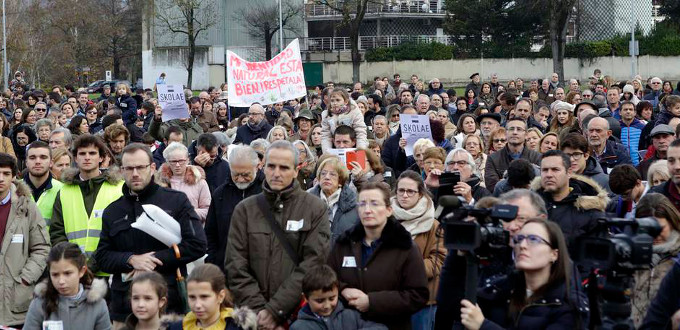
(620,244)
(471,235)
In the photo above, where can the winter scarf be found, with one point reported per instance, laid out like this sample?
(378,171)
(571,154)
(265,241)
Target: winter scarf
(419,219)
(663,250)
(331,201)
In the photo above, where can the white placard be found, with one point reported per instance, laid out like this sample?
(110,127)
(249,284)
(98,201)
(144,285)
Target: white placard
(413,128)
(172,101)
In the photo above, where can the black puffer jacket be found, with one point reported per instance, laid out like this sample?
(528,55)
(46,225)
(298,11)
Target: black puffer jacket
(555,309)
(577,213)
(119,241)
(224,200)
(392,155)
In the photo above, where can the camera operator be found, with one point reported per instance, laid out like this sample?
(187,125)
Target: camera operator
(536,297)
(452,280)
(469,187)
(648,282)
(573,201)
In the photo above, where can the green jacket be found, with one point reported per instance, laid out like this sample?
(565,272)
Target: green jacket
(23,251)
(191,130)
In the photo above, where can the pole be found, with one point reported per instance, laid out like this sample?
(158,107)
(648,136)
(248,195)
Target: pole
(632,40)
(280,26)
(4,48)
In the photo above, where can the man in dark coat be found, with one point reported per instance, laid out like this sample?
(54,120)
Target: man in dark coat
(209,156)
(257,127)
(662,136)
(607,152)
(244,180)
(670,188)
(498,162)
(393,153)
(124,250)
(474,84)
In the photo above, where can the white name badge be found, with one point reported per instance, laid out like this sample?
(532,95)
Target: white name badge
(388,174)
(98,213)
(550,95)
(349,262)
(53,325)
(295,225)
(17,238)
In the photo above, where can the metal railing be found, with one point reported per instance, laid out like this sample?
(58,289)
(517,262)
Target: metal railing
(409,7)
(366,42)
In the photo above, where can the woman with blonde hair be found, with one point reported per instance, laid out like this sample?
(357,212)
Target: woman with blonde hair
(497,140)
(126,103)
(533,138)
(277,132)
(549,141)
(658,173)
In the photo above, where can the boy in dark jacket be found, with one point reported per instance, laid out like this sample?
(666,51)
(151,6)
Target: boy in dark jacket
(323,310)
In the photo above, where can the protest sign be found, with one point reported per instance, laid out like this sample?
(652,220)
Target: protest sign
(172,101)
(277,80)
(414,127)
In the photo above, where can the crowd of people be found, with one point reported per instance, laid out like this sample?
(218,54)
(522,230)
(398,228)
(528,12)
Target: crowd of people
(276,231)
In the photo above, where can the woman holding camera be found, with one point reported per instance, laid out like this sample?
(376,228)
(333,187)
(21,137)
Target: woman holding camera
(414,209)
(665,247)
(540,295)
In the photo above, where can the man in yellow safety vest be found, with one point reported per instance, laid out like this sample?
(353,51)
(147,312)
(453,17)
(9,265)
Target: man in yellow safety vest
(38,177)
(87,191)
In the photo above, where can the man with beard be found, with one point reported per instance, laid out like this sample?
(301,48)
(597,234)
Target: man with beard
(244,181)
(39,178)
(256,128)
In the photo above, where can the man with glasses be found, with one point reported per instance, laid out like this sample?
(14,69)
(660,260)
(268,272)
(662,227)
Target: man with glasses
(574,203)
(40,110)
(469,187)
(587,95)
(87,191)
(654,95)
(93,120)
(498,162)
(576,147)
(245,180)
(256,128)
(208,156)
(125,251)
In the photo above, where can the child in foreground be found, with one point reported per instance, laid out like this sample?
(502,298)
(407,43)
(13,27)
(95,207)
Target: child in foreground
(210,305)
(70,299)
(323,310)
(148,299)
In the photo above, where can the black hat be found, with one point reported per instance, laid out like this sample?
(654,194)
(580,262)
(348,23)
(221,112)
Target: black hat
(588,102)
(474,74)
(492,115)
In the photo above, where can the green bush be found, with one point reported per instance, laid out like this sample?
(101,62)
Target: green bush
(411,51)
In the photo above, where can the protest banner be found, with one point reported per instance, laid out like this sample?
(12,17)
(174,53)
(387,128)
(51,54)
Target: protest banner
(172,101)
(277,80)
(414,127)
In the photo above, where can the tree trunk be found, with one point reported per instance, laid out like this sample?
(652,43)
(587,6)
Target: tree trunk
(558,38)
(116,63)
(356,56)
(268,45)
(190,62)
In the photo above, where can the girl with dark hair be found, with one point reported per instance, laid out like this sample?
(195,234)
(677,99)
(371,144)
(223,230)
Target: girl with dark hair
(539,295)
(210,303)
(70,298)
(439,135)
(644,111)
(29,116)
(486,96)
(466,125)
(22,136)
(471,98)
(314,139)
(78,126)
(149,297)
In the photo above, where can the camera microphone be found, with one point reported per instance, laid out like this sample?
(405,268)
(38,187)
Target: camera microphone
(450,201)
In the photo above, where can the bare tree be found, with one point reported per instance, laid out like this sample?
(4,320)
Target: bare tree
(262,20)
(560,10)
(352,12)
(121,38)
(188,18)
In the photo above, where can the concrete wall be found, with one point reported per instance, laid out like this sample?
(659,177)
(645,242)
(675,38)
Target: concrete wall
(458,71)
(170,61)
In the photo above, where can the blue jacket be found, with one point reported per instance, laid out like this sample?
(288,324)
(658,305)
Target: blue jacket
(128,106)
(341,318)
(630,138)
(666,302)
(614,154)
(557,308)
(664,117)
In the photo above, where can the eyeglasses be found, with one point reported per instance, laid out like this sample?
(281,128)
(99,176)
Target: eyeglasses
(92,112)
(40,109)
(407,192)
(131,169)
(499,140)
(245,175)
(395,116)
(656,83)
(575,155)
(253,114)
(177,161)
(372,205)
(459,163)
(532,240)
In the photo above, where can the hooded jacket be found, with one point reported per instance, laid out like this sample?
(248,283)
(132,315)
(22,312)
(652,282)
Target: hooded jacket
(22,261)
(225,198)
(192,184)
(577,214)
(128,106)
(346,216)
(88,311)
(392,155)
(260,274)
(614,154)
(119,241)
(342,318)
(393,278)
(353,119)
(594,171)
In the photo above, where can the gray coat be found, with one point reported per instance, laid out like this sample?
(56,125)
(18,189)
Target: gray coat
(341,318)
(87,312)
(346,216)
